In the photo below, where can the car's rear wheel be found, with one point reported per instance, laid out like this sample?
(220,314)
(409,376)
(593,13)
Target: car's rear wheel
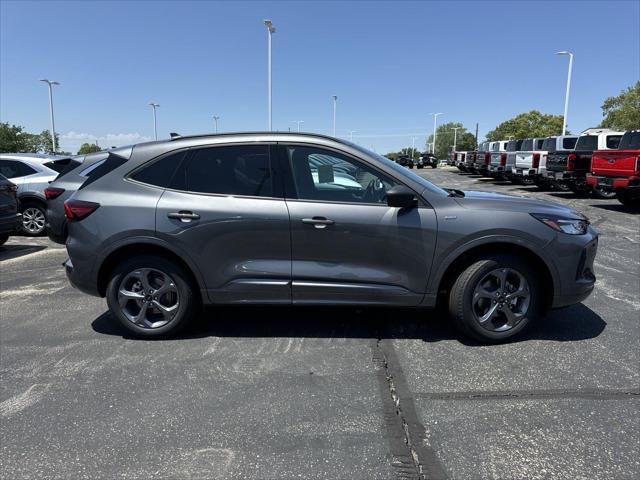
(34,219)
(601,193)
(495,298)
(151,296)
(629,201)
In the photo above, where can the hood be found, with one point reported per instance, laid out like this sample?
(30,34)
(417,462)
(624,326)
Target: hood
(501,202)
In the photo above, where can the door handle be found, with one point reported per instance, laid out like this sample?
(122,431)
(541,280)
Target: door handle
(183,216)
(318,222)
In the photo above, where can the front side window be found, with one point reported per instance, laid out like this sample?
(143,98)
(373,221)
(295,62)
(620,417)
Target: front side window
(327,176)
(230,170)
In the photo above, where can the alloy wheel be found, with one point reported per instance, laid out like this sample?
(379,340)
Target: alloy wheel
(33,220)
(148,298)
(501,299)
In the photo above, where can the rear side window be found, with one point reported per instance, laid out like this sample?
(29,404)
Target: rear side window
(613,141)
(587,143)
(229,170)
(630,141)
(527,145)
(58,165)
(99,170)
(549,144)
(160,172)
(15,169)
(539,143)
(72,164)
(569,143)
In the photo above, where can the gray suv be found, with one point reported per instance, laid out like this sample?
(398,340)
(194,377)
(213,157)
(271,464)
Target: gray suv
(284,218)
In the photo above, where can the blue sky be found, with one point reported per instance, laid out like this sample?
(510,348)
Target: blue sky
(390,63)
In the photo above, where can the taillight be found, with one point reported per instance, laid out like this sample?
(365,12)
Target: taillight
(463,155)
(52,192)
(503,159)
(638,164)
(571,161)
(487,158)
(536,160)
(79,209)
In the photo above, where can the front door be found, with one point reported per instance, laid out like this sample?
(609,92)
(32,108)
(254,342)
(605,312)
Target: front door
(347,245)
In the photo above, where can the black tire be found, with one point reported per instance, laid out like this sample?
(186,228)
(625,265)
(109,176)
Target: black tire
(4,238)
(434,166)
(461,306)
(187,295)
(33,213)
(580,189)
(629,201)
(526,180)
(603,194)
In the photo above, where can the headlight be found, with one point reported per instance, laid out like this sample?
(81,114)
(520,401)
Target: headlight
(570,226)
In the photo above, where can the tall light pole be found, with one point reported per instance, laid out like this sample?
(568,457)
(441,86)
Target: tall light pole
(155,124)
(271,30)
(335,106)
(413,146)
(566,95)
(51,83)
(215,120)
(435,118)
(351,132)
(455,136)
(298,122)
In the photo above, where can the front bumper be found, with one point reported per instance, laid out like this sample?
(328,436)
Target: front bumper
(575,256)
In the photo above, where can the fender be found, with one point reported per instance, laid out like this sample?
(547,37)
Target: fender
(439,270)
(149,240)
(22,197)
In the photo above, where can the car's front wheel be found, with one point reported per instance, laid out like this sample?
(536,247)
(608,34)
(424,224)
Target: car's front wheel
(602,193)
(151,296)
(495,298)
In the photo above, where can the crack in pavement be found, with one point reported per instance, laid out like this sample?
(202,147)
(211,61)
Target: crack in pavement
(586,394)
(413,457)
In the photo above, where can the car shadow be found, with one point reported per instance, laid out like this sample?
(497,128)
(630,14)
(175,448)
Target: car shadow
(613,207)
(7,252)
(570,324)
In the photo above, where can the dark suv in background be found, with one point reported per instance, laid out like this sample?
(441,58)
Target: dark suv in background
(10,218)
(302,219)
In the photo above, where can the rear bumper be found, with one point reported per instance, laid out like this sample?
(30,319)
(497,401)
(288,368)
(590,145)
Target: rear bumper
(614,183)
(524,172)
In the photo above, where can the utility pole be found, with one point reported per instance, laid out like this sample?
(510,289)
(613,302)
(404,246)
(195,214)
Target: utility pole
(271,29)
(566,95)
(477,135)
(335,106)
(435,118)
(155,124)
(351,132)
(215,120)
(455,137)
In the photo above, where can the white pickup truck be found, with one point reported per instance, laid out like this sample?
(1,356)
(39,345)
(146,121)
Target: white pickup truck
(498,158)
(531,166)
(528,160)
(460,159)
(512,149)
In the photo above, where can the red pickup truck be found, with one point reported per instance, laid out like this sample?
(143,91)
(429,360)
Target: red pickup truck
(619,170)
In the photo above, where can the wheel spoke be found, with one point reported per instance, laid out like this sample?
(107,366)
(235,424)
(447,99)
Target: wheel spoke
(502,277)
(167,312)
(142,314)
(521,292)
(482,292)
(166,287)
(125,295)
(489,315)
(512,318)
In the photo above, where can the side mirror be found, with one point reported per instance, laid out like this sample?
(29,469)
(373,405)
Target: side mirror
(401,196)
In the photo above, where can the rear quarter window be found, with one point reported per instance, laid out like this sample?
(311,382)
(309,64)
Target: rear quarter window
(160,172)
(549,145)
(630,141)
(613,141)
(101,168)
(587,143)
(58,165)
(569,143)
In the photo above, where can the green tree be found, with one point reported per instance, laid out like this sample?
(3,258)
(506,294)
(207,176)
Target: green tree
(444,139)
(13,138)
(527,125)
(88,148)
(622,112)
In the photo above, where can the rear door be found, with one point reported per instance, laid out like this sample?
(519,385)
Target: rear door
(348,246)
(224,209)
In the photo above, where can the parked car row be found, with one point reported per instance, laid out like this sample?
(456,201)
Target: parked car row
(599,162)
(424,160)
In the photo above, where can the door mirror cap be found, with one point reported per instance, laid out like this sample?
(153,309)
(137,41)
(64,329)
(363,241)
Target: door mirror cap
(402,197)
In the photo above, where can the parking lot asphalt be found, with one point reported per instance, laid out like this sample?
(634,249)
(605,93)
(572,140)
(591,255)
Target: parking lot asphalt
(279,393)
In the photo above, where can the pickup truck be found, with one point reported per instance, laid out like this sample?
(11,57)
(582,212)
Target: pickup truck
(527,162)
(460,159)
(498,158)
(427,160)
(568,168)
(469,161)
(619,170)
(481,162)
(512,148)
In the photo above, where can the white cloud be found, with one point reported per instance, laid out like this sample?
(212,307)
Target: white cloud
(71,141)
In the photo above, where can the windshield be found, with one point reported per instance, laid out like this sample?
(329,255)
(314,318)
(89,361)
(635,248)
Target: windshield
(402,171)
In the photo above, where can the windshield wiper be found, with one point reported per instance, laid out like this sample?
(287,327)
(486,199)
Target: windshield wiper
(454,192)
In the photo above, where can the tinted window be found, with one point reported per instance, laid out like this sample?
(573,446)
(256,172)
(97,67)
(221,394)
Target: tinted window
(569,143)
(101,168)
(538,145)
(630,141)
(72,164)
(549,144)
(527,145)
(613,141)
(231,170)
(328,176)
(159,172)
(587,143)
(14,169)
(58,165)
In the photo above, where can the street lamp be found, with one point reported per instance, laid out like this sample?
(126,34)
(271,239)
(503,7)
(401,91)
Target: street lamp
(298,122)
(215,120)
(455,136)
(335,105)
(271,30)
(413,146)
(566,96)
(155,124)
(435,118)
(351,132)
(51,83)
